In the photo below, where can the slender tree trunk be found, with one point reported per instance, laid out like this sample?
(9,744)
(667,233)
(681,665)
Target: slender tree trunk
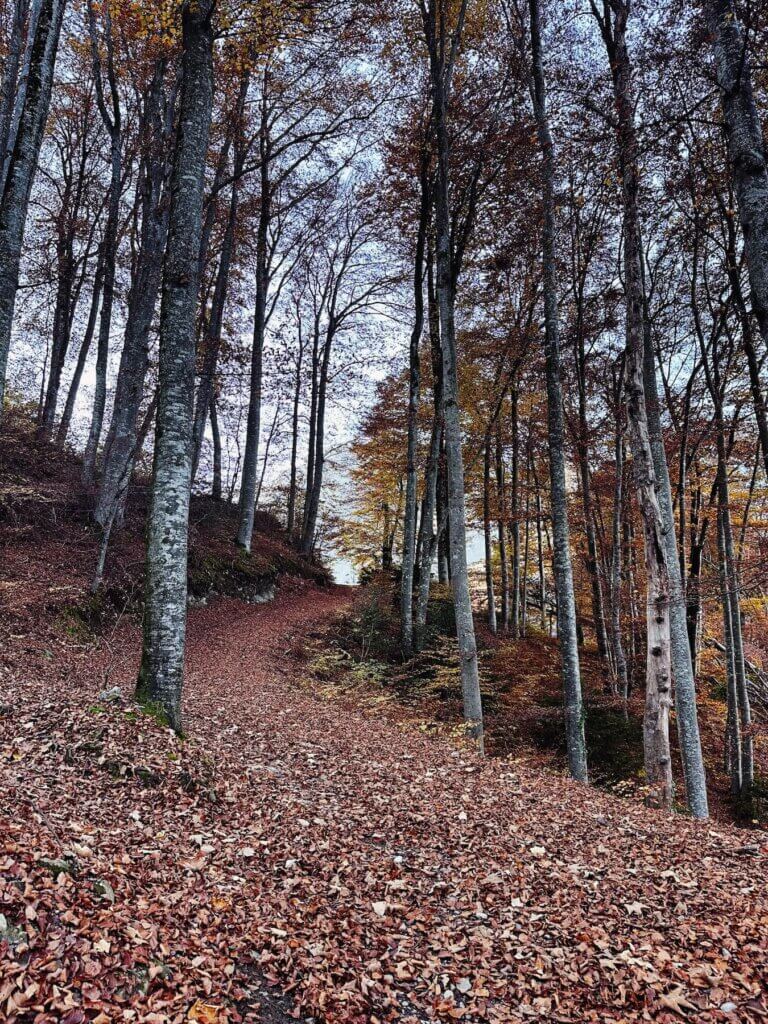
(527,545)
(749,171)
(142,300)
(165,608)
(436,351)
(309,482)
(441,73)
(429,541)
(666,632)
(318,460)
(488,536)
(733,749)
(566,604)
(212,334)
(291,517)
(267,446)
(694,772)
(514,524)
(10,82)
(501,528)
(251,457)
(22,167)
(414,383)
(744,712)
(82,356)
(617,642)
(216,490)
(112,123)
(61,328)
(540,551)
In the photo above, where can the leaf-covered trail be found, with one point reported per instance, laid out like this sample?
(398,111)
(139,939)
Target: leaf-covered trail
(367,871)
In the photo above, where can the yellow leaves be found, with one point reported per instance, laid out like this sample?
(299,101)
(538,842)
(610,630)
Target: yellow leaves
(206,1013)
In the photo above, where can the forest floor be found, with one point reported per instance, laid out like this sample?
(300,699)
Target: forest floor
(354,867)
(310,851)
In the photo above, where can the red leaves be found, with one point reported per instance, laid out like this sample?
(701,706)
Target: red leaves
(359,868)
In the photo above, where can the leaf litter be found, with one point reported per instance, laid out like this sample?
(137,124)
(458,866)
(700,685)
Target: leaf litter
(299,858)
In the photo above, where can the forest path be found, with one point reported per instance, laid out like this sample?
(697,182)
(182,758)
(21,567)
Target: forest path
(367,871)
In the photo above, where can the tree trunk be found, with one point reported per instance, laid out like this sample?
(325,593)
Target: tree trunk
(318,458)
(142,299)
(566,604)
(658,762)
(617,642)
(749,171)
(22,167)
(414,383)
(216,434)
(212,334)
(251,456)
(694,772)
(527,544)
(514,523)
(291,516)
(82,356)
(428,541)
(112,123)
(61,326)
(733,751)
(501,528)
(441,73)
(10,81)
(488,537)
(744,715)
(165,609)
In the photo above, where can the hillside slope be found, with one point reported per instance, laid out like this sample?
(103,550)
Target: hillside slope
(49,549)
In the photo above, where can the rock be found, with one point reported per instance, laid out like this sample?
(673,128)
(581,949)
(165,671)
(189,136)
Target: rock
(103,889)
(148,776)
(114,695)
(11,934)
(66,865)
(263,596)
(728,1007)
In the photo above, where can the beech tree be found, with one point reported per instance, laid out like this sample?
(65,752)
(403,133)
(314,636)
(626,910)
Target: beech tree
(165,610)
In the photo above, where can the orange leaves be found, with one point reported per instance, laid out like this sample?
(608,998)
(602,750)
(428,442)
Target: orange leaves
(205,1013)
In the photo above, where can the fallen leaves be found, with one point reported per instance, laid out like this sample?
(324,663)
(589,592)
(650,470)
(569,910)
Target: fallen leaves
(370,873)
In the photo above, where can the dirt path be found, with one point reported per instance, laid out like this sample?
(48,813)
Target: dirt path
(371,874)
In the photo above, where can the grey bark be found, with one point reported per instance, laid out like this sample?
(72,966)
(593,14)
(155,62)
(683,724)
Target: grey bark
(211,342)
(514,524)
(501,528)
(22,167)
(82,356)
(10,81)
(657,755)
(488,537)
(414,383)
(165,609)
(251,456)
(566,604)
(694,772)
(216,483)
(142,300)
(749,171)
(733,751)
(442,46)
(112,119)
(617,641)
(292,487)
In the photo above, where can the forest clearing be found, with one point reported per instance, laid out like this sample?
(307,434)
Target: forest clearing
(383,511)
